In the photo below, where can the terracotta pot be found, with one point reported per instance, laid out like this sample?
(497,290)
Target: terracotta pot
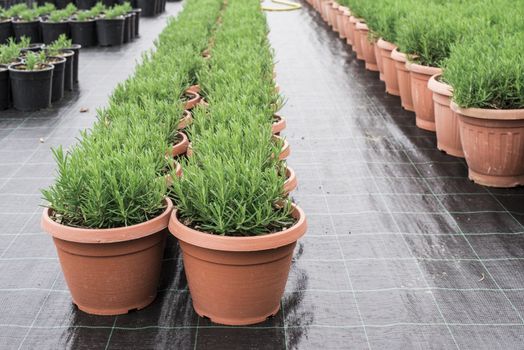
(194,99)
(180,148)
(446,121)
(186,120)
(178,173)
(291,181)
(111,271)
(367,47)
(326,9)
(492,144)
(388,64)
(346,25)
(333,15)
(286,149)
(351,32)
(340,22)
(357,42)
(380,65)
(278,125)
(194,88)
(422,95)
(404,79)
(237,280)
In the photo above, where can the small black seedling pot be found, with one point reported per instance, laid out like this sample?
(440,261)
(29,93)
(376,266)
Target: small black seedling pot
(76,61)
(137,21)
(70,58)
(31,90)
(148,7)
(110,32)
(6,30)
(29,29)
(57,87)
(4,87)
(84,32)
(132,24)
(52,30)
(127,28)
(85,4)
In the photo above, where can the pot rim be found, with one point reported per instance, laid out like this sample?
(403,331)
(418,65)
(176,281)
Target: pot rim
(491,114)
(399,56)
(362,26)
(62,59)
(107,235)
(355,20)
(12,69)
(186,120)
(439,87)
(279,125)
(291,180)
(240,244)
(284,153)
(180,147)
(420,69)
(386,45)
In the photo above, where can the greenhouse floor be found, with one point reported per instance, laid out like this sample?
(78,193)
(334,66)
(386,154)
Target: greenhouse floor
(402,250)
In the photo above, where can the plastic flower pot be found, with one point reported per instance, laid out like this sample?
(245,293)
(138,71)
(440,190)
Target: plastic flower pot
(6,30)
(291,181)
(237,280)
(367,47)
(137,13)
(30,90)
(180,148)
(148,7)
(57,89)
(279,124)
(127,28)
(388,65)
(76,60)
(446,121)
(110,32)
(422,95)
(85,4)
(132,23)
(357,44)
(492,144)
(52,30)
(404,79)
(70,57)
(83,32)
(34,47)
(111,271)
(29,29)
(191,98)
(4,87)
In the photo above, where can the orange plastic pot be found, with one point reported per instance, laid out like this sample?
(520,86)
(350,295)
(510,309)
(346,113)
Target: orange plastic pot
(422,95)
(367,47)
(388,65)
(180,148)
(278,125)
(446,121)
(404,79)
(492,144)
(237,280)
(111,271)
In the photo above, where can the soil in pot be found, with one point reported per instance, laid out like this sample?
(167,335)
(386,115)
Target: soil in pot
(248,274)
(31,90)
(388,65)
(110,32)
(111,271)
(4,87)
(52,30)
(492,144)
(29,29)
(404,79)
(422,95)
(446,121)
(57,89)
(84,33)
(6,30)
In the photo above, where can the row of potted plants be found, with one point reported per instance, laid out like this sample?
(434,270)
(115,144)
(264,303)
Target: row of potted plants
(150,7)
(106,26)
(422,51)
(108,210)
(34,76)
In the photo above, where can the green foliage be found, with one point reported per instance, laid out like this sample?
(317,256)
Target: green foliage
(98,9)
(70,9)
(234,179)
(9,52)
(114,13)
(82,16)
(28,16)
(45,9)
(63,42)
(488,71)
(34,61)
(58,16)
(16,10)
